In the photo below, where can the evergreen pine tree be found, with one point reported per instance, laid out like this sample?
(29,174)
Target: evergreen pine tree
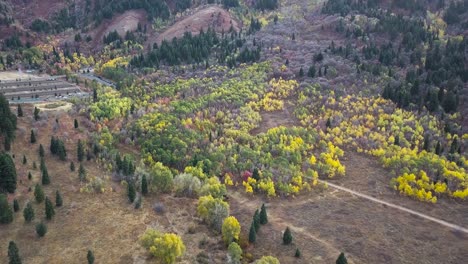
(16,206)
(80,151)
(24,160)
(397,140)
(76,123)
(256,220)
(7,173)
(256,174)
(263,215)
(53,145)
(20,111)
(95,95)
(49,209)
(58,199)
(62,152)
(311,72)
(28,213)
(36,113)
(131,192)
(39,193)
(82,173)
(29,176)
(144,185)
(6,214)
(426,145)
(328,124)
(438,148)
(34,165)
(33,137)
(90,257)
(287,237)
(41,229)
(301,72)
(72,166)
(13,254)
(341,259)
(298,253)
(41,151)
(45,176)
(252,233)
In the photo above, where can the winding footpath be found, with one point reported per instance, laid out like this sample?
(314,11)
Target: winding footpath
(401,208)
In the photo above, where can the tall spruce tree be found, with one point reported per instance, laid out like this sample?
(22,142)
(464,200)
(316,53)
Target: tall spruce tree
(90,257)
(58,199)
(25,160)
(342,259)
(144,185)
(16,206)
(263,215)
(13,254)
(287,236)
(45,176)
(49,209)
(82,173)
(39,193)
(41,151)
(33,137)
(28,213)
(7,173)
(252,233)
(256,220)
(20,111)
(76,124)
(131,192)
(6,214)
(80,151)
(36,113)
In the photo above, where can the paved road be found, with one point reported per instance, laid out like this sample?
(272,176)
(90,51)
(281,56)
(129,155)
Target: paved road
(92,77)
(398,207)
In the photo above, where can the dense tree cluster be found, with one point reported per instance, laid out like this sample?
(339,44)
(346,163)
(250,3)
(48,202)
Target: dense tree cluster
(266,4)
(104,9)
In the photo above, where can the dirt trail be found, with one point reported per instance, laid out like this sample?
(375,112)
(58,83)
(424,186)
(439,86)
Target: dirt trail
(398,207)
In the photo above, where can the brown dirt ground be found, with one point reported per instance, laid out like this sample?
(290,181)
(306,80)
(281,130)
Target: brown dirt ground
(273,119)
(105,223)
(212,16)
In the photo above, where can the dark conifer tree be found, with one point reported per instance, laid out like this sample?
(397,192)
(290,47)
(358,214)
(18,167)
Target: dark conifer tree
(28,213)
(20,111)
(82,173)
(263,215)
(72,166)
(256,220)
(36,113)
(33,137)
(287,236)
(49,209)
(58,199)
(41,151)
(144,185)
(39,193)
(341,259)
(41,229)
(29,176)
(301,72)
(6,214)
(131,192)
(25,160)
(13,254)
(76,123)
(16,206)
(90,257)
(45,176)
(311,72)
(80,151)
(252,233)
(298,253)
(7,173)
